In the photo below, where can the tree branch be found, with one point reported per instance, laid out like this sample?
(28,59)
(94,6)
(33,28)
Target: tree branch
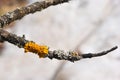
(21,12)
(30,46)
(44,51)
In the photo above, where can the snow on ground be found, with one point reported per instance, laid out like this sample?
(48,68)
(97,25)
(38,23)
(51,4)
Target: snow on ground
(63,27)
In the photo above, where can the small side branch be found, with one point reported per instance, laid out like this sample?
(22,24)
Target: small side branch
(21,12)
(43,51)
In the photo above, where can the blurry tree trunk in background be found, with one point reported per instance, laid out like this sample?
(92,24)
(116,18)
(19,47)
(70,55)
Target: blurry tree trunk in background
(10,5)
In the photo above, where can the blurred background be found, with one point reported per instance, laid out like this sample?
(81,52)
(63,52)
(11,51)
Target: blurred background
(83,25)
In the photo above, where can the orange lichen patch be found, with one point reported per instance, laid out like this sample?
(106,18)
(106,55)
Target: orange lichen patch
(41,50)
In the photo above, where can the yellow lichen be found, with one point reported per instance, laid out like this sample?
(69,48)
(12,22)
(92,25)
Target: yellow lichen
(41,50)
(75,54)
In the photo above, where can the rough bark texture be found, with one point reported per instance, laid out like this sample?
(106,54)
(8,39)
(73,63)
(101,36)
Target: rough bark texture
(74,56)
(21,41)
(57,54)
(21,12)
(12,38)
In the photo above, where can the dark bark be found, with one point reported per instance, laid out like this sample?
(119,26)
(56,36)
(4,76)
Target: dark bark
(12,38)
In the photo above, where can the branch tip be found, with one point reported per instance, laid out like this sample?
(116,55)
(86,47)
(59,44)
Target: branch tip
(90,55)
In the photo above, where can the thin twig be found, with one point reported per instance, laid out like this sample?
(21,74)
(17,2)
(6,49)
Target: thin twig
(57,54)
(97,25)
(21,12)
(90,55)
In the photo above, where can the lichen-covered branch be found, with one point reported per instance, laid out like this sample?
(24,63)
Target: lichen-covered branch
(43,51)
(21,12)
(75,56)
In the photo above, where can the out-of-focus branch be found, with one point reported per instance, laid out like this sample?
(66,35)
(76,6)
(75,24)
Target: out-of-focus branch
(21,12)
(44,51)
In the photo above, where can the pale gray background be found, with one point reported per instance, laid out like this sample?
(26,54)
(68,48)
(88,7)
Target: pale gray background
(94,25)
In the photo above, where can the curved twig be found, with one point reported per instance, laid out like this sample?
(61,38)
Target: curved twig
(57,54)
